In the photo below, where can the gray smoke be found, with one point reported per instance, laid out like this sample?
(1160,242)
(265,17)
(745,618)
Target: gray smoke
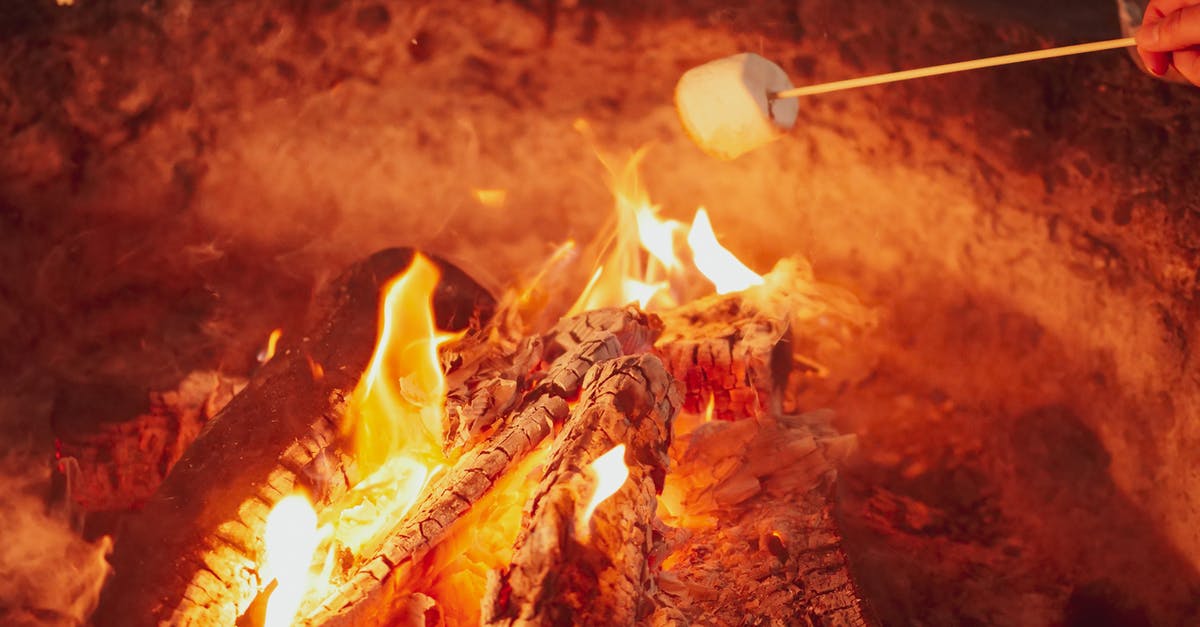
(48,573)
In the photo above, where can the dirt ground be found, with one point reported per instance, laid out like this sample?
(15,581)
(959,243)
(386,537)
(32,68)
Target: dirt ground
(177,178)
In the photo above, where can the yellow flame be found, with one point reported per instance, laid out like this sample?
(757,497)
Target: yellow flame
(272,341)
(715,262)
(657,236)
(395,414)
(398,403)
(493,198)
(610,472)
(291,538)
(636,253)
(479,543)
(641,293)
(708,410)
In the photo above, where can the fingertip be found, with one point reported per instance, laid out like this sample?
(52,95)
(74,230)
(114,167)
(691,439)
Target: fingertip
(1156,63)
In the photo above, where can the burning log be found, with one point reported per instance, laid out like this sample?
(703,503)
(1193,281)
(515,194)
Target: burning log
(428,454)
(757,541)
(728,354)
(490,386)
(191,556)
(562,573)
(572,348)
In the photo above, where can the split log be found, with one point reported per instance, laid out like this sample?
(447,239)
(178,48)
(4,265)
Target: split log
(728,353)
(191,556)
(757,542)
(373,593)
(488,379)
(561,573)
(486,384)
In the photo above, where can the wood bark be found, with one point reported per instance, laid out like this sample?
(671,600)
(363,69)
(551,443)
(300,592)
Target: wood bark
(569,571)
(726,353)
(755,540)
(191,555)
(374,593)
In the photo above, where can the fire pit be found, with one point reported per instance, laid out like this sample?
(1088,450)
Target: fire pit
(952,382)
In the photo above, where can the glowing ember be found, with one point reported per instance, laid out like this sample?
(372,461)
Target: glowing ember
(610,472)
(715,262)
(272,341)
(291,538)
(480,542)
(493,198)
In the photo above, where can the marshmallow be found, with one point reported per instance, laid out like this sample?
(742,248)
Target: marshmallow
(726,108)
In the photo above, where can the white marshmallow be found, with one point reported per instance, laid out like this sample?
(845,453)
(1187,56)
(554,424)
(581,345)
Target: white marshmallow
(725,104)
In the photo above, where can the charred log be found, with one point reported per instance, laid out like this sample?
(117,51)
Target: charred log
(757,542)
(374,593)
(190,557)
(562,572)
(727,354)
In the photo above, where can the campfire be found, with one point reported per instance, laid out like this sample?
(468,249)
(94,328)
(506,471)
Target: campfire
(483,468)
(344,312)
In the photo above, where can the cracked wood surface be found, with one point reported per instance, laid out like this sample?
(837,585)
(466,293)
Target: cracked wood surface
(374,592)
(565,574)
(191,555)
(755,539)
(726,352)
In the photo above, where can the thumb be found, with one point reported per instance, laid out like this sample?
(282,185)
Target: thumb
(1177,30)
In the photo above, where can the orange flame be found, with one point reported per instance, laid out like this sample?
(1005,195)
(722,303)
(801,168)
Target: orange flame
(399,401)
(709,409)
(395,415)
(715,261)
(641,292)
(610,472)
(657,236)
(291,538)
(272,341)
(638,261)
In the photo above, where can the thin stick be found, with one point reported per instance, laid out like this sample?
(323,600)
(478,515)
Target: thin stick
(949,68)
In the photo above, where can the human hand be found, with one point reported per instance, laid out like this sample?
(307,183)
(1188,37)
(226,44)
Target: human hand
(1170,36)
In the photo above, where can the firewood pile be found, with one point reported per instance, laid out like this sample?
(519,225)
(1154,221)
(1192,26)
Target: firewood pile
(723,514)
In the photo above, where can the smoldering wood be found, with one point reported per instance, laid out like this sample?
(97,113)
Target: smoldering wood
(757,541)
(191,555)
(490,378)
(563,574)
(372,594)
(486,383)
(728,353)
(120,465)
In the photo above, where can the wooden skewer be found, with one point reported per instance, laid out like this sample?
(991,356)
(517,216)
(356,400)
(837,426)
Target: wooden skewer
(949,68)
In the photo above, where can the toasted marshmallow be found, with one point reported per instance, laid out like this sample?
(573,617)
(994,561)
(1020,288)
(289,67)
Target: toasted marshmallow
(726,106)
